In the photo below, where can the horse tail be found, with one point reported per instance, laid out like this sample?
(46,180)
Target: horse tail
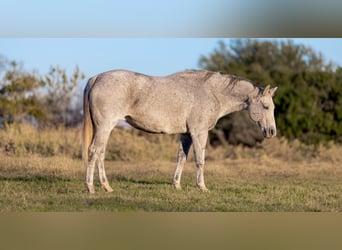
(88,128)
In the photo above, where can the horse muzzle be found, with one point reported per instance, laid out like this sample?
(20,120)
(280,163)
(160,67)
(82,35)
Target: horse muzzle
(269,132)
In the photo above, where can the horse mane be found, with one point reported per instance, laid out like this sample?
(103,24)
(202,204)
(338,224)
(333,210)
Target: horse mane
(233,80)
(230,81)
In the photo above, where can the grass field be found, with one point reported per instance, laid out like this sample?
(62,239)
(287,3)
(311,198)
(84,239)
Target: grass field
(42,171)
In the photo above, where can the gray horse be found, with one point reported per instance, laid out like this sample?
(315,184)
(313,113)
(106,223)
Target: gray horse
(188,103)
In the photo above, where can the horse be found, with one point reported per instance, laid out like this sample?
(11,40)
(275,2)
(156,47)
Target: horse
(188,103)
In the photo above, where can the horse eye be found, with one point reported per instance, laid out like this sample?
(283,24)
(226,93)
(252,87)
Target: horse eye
(266,107)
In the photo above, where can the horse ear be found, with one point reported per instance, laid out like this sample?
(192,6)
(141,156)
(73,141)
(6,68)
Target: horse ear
(266,90)
(273,90)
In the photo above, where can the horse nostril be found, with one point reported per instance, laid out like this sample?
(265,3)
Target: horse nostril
(272,132)
(264,132)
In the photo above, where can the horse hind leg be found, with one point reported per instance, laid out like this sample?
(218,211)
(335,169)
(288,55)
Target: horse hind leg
(102,173)
(183,150)
(97,155)
(90,170)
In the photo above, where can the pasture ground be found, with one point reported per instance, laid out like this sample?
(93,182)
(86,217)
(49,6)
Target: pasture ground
(38,173)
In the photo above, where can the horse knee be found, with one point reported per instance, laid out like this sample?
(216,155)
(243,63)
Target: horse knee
(96,152)
(200,157)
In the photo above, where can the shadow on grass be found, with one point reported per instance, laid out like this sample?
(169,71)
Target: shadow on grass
(122,178)
(34,178)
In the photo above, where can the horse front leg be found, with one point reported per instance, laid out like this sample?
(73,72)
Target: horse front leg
(199,140)
(183,150)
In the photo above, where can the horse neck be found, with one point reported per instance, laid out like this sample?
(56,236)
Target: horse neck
(236,98)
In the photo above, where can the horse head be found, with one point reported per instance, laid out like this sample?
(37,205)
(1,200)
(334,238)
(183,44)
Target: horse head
(261,110)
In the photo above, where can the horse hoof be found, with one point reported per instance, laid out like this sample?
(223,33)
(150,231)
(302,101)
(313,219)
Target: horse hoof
(91,188)
(203,188)
(177,186)
(107,187)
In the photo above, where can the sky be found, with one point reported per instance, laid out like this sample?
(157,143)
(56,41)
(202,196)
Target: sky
(153,56)
(94,55)
(155,37)
(108,18)
(165,18)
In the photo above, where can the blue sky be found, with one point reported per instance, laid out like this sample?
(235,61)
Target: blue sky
(165,18)
(104,18)
(154,56)
(155,37)
(94,55)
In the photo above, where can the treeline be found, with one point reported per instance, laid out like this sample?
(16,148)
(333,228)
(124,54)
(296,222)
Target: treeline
(50,100)
(309,98)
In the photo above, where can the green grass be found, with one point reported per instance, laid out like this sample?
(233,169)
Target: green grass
(56,184)
(42,171)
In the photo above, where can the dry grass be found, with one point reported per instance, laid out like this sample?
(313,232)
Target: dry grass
(134,145)
(42,171)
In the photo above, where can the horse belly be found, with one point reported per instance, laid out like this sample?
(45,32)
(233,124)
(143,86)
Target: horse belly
(160,117)
(152,124)
(160,109)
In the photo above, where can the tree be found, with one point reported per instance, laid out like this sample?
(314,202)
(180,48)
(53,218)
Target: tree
(19,97)
(310,89)
(62,100)
(50,100)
